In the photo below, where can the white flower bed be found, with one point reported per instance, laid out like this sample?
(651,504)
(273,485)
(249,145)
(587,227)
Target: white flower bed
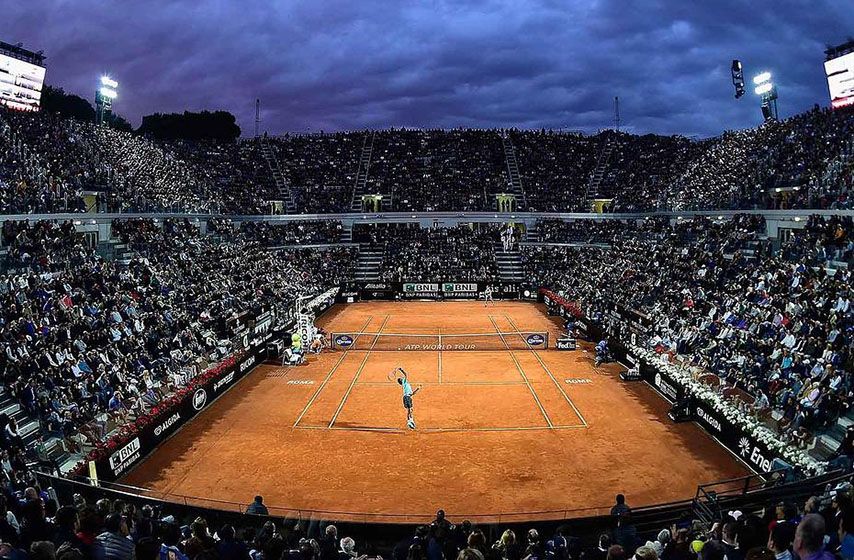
(759,431)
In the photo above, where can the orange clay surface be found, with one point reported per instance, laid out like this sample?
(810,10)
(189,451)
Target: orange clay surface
(499,431)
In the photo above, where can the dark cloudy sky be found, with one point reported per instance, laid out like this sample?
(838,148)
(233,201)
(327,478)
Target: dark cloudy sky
(349,64)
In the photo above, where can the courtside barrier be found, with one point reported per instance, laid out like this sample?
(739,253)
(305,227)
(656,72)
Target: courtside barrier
(434,291)
(729,432)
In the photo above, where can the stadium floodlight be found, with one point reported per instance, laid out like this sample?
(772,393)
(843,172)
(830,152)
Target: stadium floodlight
(105,93)
(762,78)
(737,72)
(764,88)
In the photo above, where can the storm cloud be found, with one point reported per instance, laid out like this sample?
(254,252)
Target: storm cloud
(344,64)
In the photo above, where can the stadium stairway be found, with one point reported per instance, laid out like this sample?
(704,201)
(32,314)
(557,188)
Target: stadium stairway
(28,425)
(532,234)
(346,234)
(513,175)
(599,172)
(284,191)
(370,263)
(361,187)
(51,449)
(509,264)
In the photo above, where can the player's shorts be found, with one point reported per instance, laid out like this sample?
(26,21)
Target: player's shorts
(407,401)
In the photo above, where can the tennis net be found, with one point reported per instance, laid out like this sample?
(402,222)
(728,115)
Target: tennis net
(403,342)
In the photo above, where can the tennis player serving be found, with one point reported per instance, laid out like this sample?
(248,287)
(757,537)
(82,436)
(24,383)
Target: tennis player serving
(408,393)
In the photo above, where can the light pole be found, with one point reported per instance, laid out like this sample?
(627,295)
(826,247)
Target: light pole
(104,96)
(768,91)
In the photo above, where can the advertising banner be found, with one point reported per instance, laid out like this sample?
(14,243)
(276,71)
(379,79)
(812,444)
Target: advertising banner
(118,462)
(740,442)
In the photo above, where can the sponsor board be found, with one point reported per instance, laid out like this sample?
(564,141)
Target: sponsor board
(456,288)
(247,363)
(754,455)
(200,398)
(412,287)
(113,466)
(566,344)
(343,340)
(376,286)
(535,340)
(665,387)
(709,420)
(631,375)
(224,381)
(757,456)
(166,424)
(125,456)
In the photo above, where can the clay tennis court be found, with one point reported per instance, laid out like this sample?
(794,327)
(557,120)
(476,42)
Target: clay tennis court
(508,430)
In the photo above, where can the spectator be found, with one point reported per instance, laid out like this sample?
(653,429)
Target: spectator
(808,543)
(114,539)
(257,507)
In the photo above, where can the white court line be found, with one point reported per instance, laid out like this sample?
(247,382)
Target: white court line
(449,383)
(549,372)
(439,430)
(358,372)
(522,373)
(440,354)
(328,376)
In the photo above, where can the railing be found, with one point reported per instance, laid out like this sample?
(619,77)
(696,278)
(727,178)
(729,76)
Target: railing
(746,493)
(713,498)
(411,518)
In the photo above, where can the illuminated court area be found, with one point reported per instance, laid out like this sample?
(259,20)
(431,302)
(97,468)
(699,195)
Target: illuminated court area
(502,428)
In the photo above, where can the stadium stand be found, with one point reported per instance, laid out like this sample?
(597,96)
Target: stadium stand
(98,334)
(802,162)
(773,322)
(91,343)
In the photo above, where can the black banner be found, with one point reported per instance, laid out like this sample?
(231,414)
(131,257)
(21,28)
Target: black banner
(122,457)
(667,387)
(369,291)
(740,442)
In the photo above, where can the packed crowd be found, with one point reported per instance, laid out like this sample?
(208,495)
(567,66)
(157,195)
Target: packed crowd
(89,343)
(595,231)
(801,162)
(775,323)
(303,232)
(438,170)
(39,524)
(47,164)
(415,254)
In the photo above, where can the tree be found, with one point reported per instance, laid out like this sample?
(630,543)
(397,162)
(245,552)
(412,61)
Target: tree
(55,100)
(207,125)
(114,120)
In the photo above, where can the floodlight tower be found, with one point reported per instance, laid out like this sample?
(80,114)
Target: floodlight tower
(104,96)
(768,92)
(737,78)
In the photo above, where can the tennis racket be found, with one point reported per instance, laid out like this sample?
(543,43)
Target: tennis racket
(394,375)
